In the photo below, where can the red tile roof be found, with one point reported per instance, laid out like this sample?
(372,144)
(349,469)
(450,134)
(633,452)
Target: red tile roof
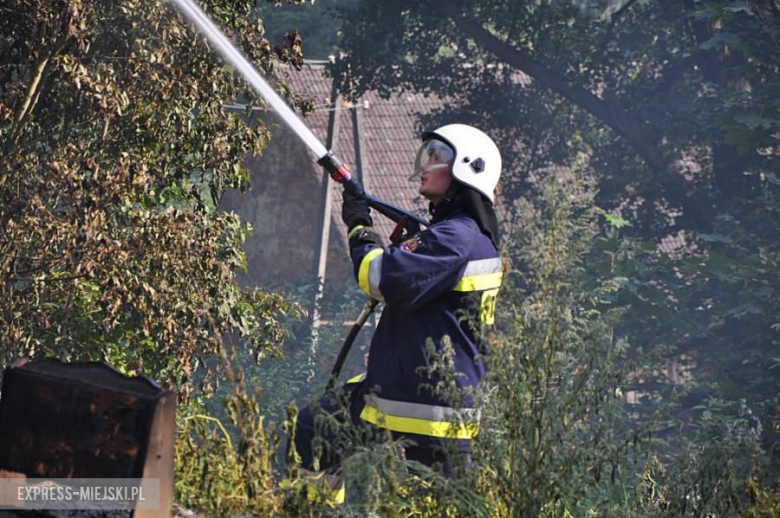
(388,139)
(389,143)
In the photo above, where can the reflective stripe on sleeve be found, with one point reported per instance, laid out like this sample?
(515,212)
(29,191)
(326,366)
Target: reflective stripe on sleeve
(354,231)
(430,420)
(485,274)
(370,273)
(357,379)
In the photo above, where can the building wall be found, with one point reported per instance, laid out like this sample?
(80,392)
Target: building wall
(285,200)
(283,205)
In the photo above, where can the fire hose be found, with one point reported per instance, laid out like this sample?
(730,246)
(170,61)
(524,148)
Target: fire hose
(338,170)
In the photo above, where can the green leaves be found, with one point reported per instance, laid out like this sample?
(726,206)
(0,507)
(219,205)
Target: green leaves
(747,131)
(721,41)
(617,221)
(115,137)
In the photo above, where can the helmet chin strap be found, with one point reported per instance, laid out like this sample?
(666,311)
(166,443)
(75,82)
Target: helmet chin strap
(452,191)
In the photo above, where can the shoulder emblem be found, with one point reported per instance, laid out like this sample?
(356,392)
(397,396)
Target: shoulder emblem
(410,245)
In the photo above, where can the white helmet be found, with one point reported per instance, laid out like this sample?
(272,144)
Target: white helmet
(477,161)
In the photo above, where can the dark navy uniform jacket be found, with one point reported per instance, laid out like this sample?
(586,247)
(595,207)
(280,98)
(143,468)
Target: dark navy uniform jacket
(441,283)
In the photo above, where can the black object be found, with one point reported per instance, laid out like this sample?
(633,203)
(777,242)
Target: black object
(477,165)
(355,210)
(368,308)
(413,222)
(86,420)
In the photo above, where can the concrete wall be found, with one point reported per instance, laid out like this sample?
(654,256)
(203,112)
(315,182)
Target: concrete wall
(283,205)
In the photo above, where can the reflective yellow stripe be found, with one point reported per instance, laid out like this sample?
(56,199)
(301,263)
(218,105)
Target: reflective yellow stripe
(357,379)
(422,411)
(444,429)
(488,309)
(485,281)
(364,269)
(354,231)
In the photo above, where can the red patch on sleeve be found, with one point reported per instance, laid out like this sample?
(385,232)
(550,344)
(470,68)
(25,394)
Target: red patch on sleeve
(410,245)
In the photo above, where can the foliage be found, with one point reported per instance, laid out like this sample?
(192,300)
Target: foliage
(668,79)
(674,108)
(316,23)
(116,147)
(299,370)
(220,473)
(555,432)
(709,475)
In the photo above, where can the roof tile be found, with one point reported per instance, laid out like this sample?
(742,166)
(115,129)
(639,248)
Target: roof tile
(388,138)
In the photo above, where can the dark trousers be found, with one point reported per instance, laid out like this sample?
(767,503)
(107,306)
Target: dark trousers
(329,429)
(322,433)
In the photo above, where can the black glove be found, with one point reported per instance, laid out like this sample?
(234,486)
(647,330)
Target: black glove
(355,211)
(361,236)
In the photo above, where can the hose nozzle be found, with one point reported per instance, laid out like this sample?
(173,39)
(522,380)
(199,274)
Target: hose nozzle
(340,173)
(335,168)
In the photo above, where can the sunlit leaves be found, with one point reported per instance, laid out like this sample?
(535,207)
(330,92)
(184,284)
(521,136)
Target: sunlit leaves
(117,146)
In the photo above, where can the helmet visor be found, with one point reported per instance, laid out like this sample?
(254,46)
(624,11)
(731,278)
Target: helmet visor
(433,154)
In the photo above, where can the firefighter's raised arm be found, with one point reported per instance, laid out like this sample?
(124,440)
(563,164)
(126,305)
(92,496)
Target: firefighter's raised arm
(418,270)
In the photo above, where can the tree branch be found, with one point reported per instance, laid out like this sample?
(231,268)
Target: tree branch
(617,14)
(48,279)
(34,90)
(613,19)
(27,102)
(612,115)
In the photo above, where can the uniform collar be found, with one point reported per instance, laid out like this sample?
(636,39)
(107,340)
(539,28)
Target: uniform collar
(462,199)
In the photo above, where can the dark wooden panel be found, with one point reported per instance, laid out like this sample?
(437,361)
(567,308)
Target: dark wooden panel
(80,420)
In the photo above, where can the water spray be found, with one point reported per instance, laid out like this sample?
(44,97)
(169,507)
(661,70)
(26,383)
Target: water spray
(337,169)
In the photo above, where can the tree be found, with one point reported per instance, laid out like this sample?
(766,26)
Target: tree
(676,107)
(316,23)
(664,79)
(116,146)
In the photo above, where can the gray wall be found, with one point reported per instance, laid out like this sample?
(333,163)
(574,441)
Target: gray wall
(283,206)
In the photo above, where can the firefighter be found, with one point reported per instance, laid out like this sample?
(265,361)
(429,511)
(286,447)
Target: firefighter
(438,287)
